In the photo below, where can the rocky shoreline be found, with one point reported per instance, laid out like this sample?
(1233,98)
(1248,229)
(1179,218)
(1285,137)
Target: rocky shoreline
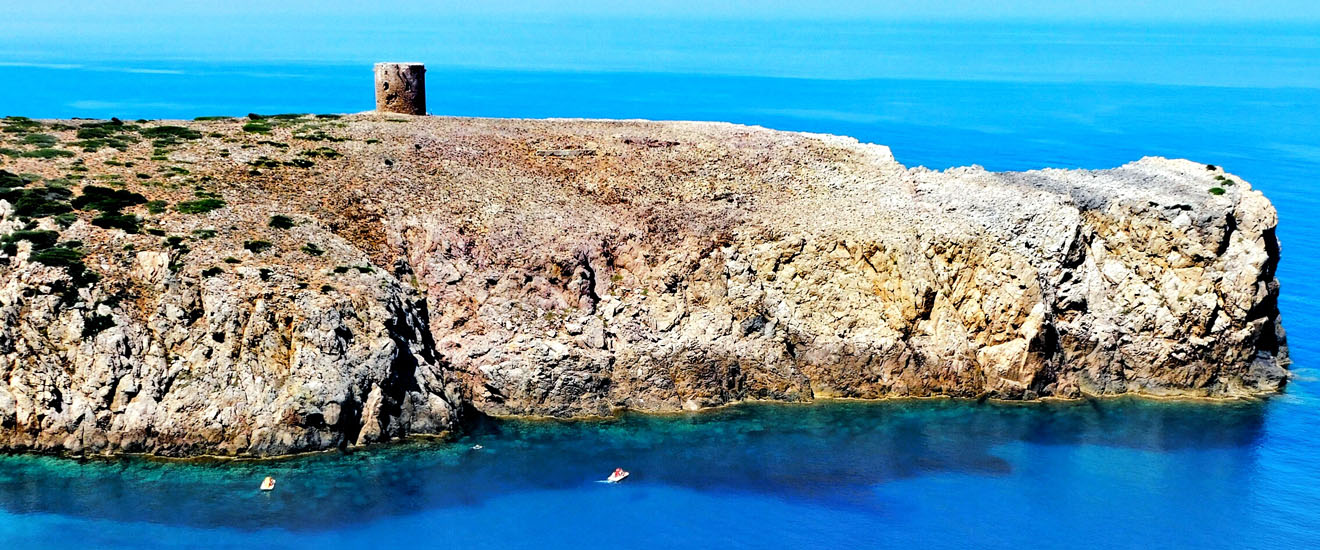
(290,283)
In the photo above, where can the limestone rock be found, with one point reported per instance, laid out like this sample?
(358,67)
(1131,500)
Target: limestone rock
(731,263)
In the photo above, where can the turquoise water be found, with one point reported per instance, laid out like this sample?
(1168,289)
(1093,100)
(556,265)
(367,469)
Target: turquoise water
(930,474)
(938,474)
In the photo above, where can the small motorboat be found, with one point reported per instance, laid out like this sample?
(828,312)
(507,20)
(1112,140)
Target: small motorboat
(618,475)
(477,447)
(268,484)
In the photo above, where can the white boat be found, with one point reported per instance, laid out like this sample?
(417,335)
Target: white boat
(618,475)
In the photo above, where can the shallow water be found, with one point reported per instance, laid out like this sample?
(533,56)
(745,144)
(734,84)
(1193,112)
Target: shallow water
(1115,473)
(935,472)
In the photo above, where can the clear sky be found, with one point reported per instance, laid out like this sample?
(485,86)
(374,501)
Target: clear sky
(1198,10)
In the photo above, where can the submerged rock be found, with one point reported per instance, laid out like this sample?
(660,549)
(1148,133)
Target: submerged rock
(732,263)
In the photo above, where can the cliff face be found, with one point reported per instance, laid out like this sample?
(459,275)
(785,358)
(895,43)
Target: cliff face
(412,266)
(243,363)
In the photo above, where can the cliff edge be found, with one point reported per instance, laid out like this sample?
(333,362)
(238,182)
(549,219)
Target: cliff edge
(276,284)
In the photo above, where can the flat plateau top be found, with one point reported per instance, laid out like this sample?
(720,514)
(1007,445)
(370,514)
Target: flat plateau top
(353,171)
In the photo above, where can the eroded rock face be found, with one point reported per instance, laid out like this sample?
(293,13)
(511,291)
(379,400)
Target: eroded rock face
(242,365)
(575,267)
(1093,285)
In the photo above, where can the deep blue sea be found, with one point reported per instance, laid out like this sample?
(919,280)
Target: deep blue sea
(906,474)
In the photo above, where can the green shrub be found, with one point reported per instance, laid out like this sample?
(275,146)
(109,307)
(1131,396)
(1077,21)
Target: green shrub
(114,134)
(104,199)
(58,257)
(48,153)
(39,239)
(101,130)
(280,221)
(39,202)
(323,152)
(165,136)
(207,118)
(257,127)
(312,250)
(91,145)
(342,269)
(200,206)
(40,140)
(326,289)
(233,260)
(203,233)
(1216,190)
(212,271)
(9,179)
(257,247)
(71,261)
(20,125)
(264,162)
(157,207)
(319,135)
(127,222)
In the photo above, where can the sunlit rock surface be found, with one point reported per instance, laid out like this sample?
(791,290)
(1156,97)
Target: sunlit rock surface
(414,267)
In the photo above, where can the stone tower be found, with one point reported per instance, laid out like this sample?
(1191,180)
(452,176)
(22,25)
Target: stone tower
(401,88)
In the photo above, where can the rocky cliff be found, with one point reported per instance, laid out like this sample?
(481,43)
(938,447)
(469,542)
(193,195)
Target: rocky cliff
(289,283)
